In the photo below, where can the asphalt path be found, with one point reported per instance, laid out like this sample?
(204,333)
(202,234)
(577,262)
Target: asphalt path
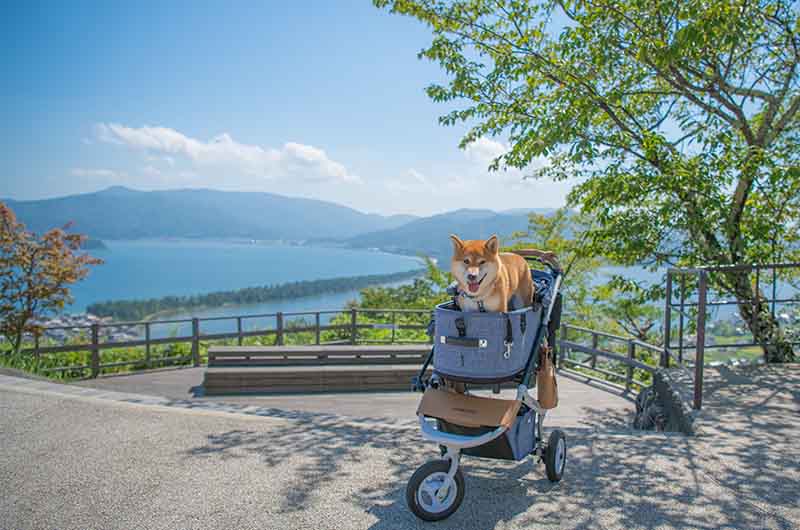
(83,458)
(590,406)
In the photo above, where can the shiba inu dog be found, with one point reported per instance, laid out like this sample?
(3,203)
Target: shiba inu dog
(487,278)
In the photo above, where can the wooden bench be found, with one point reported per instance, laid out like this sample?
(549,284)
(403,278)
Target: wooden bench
(332,368)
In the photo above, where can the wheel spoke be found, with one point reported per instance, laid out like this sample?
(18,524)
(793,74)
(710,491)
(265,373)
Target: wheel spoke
(436,492)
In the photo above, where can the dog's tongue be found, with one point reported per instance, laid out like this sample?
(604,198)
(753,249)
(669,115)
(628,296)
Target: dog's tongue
(473,286)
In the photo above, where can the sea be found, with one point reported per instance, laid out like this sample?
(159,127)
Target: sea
(141,269)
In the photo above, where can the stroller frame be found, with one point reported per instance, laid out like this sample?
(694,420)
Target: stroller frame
(553,453)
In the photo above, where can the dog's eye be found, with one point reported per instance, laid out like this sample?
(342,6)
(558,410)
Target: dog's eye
(466,261)
(481,262)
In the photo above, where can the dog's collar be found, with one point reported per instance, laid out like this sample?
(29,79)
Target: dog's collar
(481,308)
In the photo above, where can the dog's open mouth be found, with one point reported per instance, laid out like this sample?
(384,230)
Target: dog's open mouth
(474,286)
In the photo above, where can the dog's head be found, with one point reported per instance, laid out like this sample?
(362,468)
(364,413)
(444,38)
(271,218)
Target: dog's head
(475,263)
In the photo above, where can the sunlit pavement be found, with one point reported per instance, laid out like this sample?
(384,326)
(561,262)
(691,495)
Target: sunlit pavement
(83,458)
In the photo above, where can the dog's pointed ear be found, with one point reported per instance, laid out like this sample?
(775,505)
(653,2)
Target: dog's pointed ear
(492,245)
(458,245)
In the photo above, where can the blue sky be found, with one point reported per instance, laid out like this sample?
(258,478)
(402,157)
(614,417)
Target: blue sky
(309,98)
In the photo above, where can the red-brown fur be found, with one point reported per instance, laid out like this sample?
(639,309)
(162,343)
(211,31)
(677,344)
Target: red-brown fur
(501,274)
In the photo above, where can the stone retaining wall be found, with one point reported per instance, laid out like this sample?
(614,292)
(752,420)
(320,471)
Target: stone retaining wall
(666,405)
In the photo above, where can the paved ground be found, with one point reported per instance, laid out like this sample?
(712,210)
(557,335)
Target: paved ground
(582,405)
(80,458)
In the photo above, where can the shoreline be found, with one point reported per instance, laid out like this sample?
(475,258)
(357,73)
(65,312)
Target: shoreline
(269,294)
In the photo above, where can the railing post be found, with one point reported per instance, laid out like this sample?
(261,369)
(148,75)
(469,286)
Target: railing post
(699,360)
(394,323)
(95,362)
(239,330)
(593,362)
(147,361)
(667,322)
(279,328)
(754,306)
(316,322)
(196,341)
(682,310)
(562,350)
(353,330)
(631,356)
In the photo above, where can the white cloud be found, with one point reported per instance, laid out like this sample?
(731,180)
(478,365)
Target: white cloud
(168,160)
(419,177)
(296,160)
(95,173)
(151,171)
(485,150)
(411,180)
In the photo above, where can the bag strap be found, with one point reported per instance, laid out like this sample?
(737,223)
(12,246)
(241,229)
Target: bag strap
(461,326)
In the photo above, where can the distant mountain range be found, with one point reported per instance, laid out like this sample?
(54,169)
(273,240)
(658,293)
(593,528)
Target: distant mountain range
(123,213)
(430,235)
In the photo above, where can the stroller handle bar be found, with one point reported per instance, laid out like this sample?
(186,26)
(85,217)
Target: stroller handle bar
(547,258)
(460,441)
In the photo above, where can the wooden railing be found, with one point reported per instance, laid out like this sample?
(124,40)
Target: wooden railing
(595,344)
(282,328)
(590,347)
(592,344)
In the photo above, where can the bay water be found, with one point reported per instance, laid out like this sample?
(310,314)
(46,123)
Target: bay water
(142,269)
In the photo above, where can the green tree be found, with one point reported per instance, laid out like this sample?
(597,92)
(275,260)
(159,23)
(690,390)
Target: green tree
(628,305)
(35,275)
(565,233)
(678,118)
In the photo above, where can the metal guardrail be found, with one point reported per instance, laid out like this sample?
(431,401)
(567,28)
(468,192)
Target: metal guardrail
(281,329)
(704,279)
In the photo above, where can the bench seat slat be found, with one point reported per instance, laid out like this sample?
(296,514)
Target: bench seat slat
(322,349)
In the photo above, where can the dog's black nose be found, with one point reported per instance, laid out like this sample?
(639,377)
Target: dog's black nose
(472,277)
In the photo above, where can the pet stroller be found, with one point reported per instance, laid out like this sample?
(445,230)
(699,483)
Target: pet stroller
(486,349)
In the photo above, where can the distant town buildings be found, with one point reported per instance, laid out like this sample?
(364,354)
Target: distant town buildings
(71,326)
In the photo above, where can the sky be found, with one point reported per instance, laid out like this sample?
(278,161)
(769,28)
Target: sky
(317,99)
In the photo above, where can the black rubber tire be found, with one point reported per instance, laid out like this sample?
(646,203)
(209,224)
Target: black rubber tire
(425,470)
(555,470)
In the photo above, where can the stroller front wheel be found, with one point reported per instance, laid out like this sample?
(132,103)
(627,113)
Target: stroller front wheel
(431,494)
(555,456)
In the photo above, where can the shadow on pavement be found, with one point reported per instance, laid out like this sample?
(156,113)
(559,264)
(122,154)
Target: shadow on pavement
(611,481)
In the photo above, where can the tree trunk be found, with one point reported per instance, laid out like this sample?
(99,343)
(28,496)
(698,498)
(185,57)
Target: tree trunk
(16,343)
(754,309)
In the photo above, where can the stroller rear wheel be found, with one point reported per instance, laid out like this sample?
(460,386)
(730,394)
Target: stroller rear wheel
(555,457)
(431,494)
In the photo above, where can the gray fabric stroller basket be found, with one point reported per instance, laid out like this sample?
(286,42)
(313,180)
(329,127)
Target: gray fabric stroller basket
(478,347)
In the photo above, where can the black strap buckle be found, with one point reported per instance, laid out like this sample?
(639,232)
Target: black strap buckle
(461,326)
